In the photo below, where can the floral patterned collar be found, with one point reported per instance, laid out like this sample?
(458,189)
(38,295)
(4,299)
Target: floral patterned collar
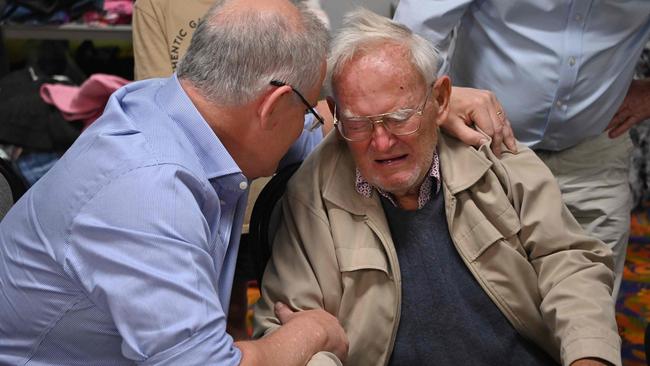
(365,189)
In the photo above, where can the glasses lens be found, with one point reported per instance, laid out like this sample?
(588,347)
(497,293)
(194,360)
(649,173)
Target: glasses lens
(355,129)
(402,122)
(399,123)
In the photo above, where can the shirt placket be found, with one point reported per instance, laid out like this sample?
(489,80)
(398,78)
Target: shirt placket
(230,191)
(571,59)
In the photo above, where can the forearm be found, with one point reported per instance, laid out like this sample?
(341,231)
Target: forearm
(288,345)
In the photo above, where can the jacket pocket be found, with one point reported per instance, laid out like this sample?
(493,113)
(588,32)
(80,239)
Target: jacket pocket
(482,235)
(355,259)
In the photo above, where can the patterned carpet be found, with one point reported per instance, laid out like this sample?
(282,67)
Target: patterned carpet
(633,305)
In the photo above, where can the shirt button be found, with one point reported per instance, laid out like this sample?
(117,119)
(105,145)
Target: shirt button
(558,104)
(222,202)
(243,185)
(572,61)
(578,17)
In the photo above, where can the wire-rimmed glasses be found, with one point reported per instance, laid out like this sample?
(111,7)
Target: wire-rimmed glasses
(399,122)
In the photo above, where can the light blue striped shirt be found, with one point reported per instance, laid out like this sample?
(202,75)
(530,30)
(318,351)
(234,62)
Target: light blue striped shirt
(125,251)
(561,68)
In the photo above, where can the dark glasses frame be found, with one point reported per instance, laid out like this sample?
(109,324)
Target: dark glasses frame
(319,119)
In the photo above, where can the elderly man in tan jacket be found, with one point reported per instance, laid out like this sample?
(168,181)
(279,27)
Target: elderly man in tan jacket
(428,251)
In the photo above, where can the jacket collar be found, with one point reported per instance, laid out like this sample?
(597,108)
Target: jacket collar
(460,165)
(213,156)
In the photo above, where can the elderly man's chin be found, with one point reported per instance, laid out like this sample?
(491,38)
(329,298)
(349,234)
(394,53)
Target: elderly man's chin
(398,183)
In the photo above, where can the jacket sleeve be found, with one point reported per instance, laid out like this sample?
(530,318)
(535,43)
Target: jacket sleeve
(575,275)
(150,48)
(303,256)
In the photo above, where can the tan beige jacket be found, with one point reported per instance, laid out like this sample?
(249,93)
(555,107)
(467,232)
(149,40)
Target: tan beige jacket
(162,30)
(334,251)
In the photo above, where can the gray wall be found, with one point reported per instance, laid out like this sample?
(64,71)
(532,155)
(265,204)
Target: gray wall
(335,9)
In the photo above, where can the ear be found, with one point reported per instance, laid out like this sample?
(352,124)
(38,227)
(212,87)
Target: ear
(270,105)
(441,94)
(331,104)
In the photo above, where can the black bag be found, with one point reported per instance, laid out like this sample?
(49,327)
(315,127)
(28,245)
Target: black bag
(41,10)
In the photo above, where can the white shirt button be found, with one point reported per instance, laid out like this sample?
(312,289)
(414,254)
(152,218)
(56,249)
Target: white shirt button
(243,185)
(578,17)
(572,61)
(558,104)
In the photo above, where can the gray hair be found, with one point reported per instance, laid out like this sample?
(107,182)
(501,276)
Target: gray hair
(234,55)
(363,30)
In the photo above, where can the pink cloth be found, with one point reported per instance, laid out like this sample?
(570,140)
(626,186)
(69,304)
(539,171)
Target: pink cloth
(119,6)
(82,103)
(114,12)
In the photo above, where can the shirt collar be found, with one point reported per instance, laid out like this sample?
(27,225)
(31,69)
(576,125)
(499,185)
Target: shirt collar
(365,189)
(213,156)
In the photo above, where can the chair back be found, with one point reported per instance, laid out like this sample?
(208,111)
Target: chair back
(12,186)
(265,219)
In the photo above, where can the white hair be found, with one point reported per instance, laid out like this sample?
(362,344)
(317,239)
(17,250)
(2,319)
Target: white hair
(363,30)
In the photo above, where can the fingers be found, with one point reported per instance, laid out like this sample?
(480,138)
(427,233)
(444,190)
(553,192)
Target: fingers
(490,117)
(322,327)
(465,133)
(622,121)
(498,118)
(283,312)
(337,341)
(482,108)
(509,136)
(616,130)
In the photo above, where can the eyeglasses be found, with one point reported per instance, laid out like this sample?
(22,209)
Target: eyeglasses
(399,122)
(319,120)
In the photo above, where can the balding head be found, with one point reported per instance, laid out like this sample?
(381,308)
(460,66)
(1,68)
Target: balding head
(241,45)
(266,7)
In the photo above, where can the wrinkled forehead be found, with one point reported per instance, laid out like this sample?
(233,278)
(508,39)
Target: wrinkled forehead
(386,94)
(381,72)
(384,61)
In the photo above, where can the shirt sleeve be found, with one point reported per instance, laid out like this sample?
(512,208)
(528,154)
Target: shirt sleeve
(150,48)
(435,21)
(143,252)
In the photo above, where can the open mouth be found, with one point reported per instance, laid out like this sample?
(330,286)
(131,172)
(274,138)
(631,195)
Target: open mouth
(392,160)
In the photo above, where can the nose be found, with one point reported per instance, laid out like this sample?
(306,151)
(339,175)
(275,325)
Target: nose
(381,139)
